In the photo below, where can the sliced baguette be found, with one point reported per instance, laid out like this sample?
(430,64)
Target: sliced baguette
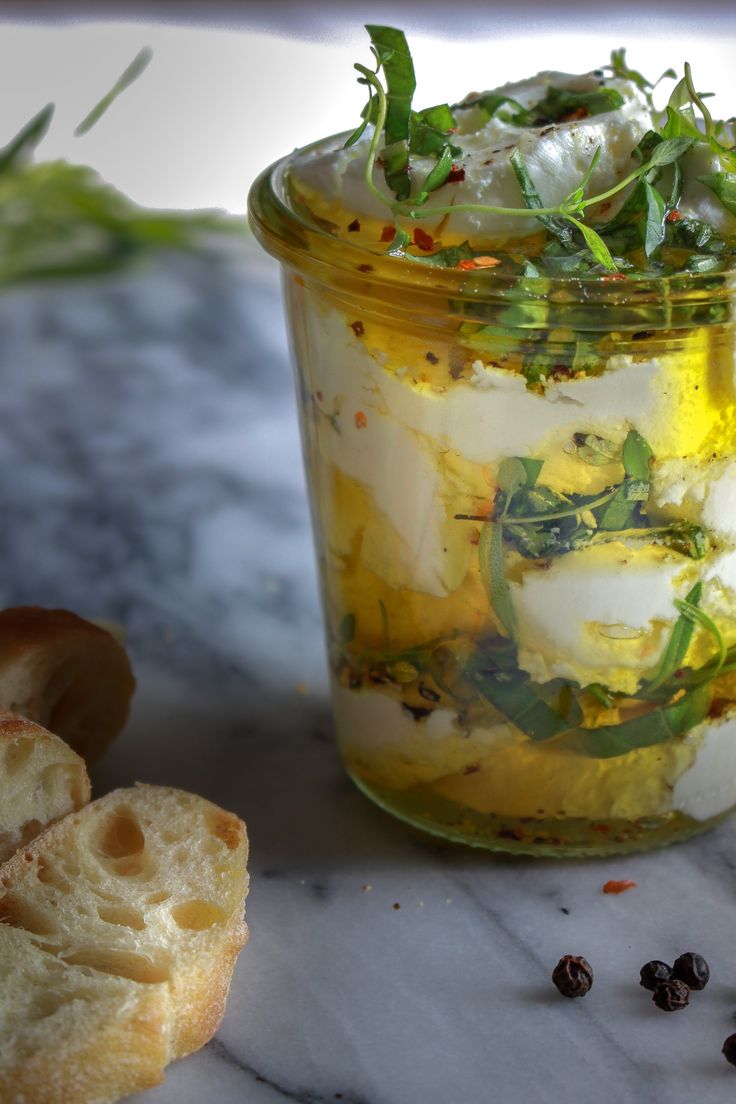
(69,1035)
(41,780)
(65,673)
(146,885)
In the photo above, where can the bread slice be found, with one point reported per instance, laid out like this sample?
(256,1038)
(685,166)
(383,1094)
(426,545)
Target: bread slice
(147,886)
(41,780)
(68,1034)
(65,673)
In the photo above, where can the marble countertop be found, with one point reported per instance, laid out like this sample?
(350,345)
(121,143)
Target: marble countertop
(152,475)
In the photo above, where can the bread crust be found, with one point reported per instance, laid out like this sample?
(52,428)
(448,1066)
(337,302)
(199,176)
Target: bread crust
(64,673)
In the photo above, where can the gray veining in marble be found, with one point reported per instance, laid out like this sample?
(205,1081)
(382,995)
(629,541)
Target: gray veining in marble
(152,476)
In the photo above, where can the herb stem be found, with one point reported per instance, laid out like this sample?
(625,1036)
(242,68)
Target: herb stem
(707,117)
(558,514)
(373,82)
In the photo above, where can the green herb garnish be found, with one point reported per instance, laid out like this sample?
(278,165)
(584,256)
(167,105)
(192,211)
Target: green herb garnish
(575,246)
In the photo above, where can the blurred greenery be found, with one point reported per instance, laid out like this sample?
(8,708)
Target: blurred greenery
(59,219)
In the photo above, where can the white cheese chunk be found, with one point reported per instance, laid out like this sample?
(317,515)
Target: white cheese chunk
(601,614)
(381,738)
(700,491)
(708,787)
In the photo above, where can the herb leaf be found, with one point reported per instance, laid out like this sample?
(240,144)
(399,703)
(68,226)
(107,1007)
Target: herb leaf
(26,139)
(514,697)
(723,185)
(637,456)
(595,244)
(430,130)
(556,225)
(393,53)
(654,225)
(493,576)
(655,727)
(133,71)
(677,645)
(561,102)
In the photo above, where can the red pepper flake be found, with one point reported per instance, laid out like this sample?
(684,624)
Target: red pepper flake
(466,266)
(360,420)
(674,215)
(423,240)
(475,538)
(601,827)
(578,113)
(619,887)
(354,226)
(455,175)
(318,396)
(358,328)
(432,358)
(365,268)
(388,233)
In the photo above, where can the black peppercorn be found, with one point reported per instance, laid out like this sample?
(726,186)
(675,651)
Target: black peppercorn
(692,969)
(671,995)
(653,972)
(728,1050)
(573,976)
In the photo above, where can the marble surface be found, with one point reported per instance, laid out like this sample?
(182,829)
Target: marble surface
(152,475)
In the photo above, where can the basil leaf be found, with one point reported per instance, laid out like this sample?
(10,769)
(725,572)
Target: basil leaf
(489,103)
(723,185)
(396,168)
(430,130)
(437,176)
(637,456)
(26,139)
(394,56)
(493,576)
(663,723)
(560,102)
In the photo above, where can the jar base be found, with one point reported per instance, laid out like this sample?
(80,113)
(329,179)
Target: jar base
(572,838)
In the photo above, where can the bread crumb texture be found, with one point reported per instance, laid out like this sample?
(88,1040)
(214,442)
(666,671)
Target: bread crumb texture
(41,780)
(119,930)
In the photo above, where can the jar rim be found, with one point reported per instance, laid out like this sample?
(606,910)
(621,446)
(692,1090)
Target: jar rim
(302,243)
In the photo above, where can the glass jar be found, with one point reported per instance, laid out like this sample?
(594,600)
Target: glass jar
(524,502)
